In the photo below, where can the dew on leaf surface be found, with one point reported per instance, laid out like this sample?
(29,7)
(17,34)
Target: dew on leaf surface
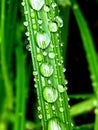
(55,124)
(59,21)
(51,55)
(46,69)
(53,26)
(61,88)
(43,40)
(36,4)
(50,94)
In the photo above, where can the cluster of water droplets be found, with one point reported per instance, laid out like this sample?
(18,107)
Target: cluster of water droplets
(43,40)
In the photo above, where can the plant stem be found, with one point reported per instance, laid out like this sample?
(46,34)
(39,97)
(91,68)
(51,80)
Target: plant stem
(43,23)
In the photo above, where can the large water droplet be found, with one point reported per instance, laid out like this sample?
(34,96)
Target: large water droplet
(59,21)
(56,124)
(53,26)
(43,40)
(61,89)
(46,69)
(50,94)
(36,4)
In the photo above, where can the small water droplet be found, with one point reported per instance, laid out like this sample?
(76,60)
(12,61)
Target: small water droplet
(26,12)
(45,53)
(50,94)
(59,21)
(54,5)
(61,109)
(46,8)
(22,3)
(53,107)
(51,55)
(49,81)
(36,4)
(43,40)
(60,99)
(35,73)
(25,23)
(27,34)
(61,88)
(40,21)
(66,82)
(39,108)
(32,14)
(56,124)
(53,26)
(28,47)
(40,116)
(39,57)
(46,69)
(64,69)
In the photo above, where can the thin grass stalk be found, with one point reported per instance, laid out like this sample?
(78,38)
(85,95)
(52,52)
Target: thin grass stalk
(90,51)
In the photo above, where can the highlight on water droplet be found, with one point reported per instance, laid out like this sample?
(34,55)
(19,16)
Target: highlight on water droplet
(59,21)
(40,21)
(36,4)
(56,124)
(46,69)
(53,26)
(50,94)
(51,55)
(40,116)
(43,40)
(61,88)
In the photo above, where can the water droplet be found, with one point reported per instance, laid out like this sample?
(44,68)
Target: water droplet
(64,69)
(46,8)
(27,34)
(40,116)
(53,26)
(35,73)
(61,109)
(40,21)
(61,89)
(36,4)
(25,23)
(49,81)
(45,53)
(43,40)
(39,108)
(56,124)
(22,3)
(60,99)
(59,21)
(46,69)
(66,82)
(53,107)
(51,55)
(50,94)
(26,12)
(39,57)
(28,47)
(32,14)
(54,5)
